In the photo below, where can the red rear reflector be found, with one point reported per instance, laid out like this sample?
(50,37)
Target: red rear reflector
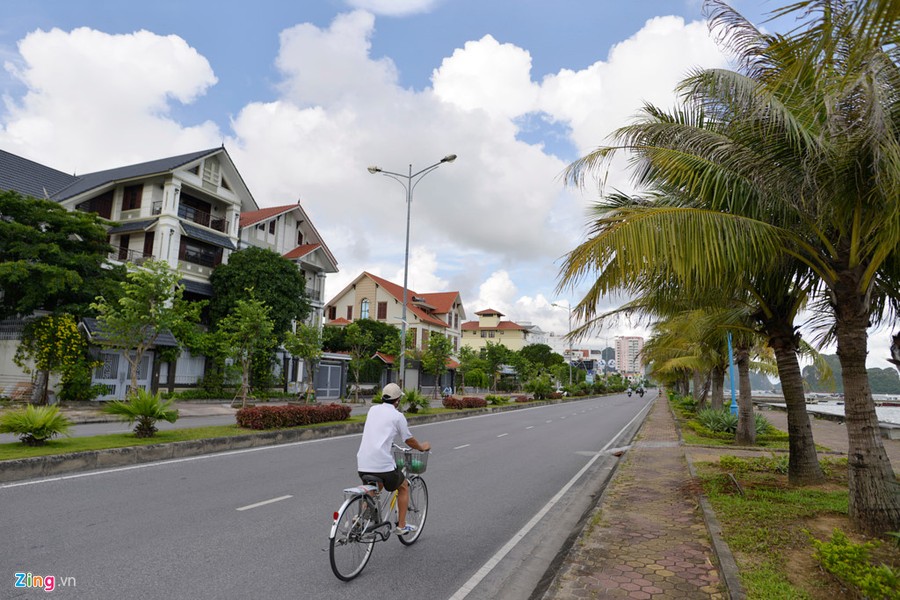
(335,516)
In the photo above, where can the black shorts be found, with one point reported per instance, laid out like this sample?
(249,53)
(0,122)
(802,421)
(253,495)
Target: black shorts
(391,480)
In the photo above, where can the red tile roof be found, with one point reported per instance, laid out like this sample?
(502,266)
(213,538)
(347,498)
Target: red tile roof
(490,311)
(301,251)
(397,292)
(387,358)
(503,325)
(339,321)
(255,216)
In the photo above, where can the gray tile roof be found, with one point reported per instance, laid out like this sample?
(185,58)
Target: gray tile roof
(131,226)
(197,287)
(89,181)
(95,332)
(30,178)
(199,233)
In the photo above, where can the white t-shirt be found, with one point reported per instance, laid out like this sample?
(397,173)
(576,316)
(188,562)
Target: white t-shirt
(383,424)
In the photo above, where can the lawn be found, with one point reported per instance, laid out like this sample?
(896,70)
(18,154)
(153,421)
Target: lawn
(769,526)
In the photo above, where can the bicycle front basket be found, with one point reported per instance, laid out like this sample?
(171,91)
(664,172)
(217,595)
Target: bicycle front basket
(414,460)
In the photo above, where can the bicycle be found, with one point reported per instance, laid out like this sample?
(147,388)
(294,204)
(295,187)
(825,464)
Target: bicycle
(368,516)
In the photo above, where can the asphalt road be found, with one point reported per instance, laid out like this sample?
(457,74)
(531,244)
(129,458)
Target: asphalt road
(506,489)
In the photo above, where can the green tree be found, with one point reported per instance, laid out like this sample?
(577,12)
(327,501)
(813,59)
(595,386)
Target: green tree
(51,258)
(151,303)
(794,158)
(275,281)
(53,344)
(361,345)
(468,361)
(306,343)
(542,356)
(494,355)
(246,332)
(434,360)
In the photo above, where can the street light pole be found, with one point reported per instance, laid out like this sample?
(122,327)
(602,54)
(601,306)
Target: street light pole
(568,307)
(408,183)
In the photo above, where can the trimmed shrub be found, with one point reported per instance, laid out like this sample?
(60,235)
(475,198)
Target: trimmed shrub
(521,398)
(35,424)
(464,402)
(495,400)
(415,401)
(291,415)
(146,408)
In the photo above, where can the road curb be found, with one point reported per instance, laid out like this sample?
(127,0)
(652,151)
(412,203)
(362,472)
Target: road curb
(64,464)
(727,564)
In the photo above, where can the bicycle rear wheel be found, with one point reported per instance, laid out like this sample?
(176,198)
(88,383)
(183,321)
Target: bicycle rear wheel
(417,511)
(351,545)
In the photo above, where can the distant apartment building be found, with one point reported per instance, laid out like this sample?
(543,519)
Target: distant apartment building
(628,355)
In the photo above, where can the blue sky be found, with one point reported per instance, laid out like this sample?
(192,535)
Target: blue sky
(305,95)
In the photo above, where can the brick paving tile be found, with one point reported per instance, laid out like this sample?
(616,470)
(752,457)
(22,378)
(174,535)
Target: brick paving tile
(649,539)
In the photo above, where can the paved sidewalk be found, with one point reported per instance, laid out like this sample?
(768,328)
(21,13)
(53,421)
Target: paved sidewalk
(647,538)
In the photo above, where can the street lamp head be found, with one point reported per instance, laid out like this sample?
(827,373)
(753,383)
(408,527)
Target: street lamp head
(449,158)
(374,170)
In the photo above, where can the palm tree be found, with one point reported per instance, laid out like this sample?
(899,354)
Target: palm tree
(796,157)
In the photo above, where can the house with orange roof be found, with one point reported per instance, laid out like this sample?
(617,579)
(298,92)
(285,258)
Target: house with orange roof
(288,231)
(490,327)
(372,297)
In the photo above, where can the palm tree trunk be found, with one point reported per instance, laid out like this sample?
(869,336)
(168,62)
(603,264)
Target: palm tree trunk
(746,428)
(698,386)
(39,386)
(718,388)
(803,461)
(874,490)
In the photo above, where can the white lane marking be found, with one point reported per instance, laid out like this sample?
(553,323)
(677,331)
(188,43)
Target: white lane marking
(549,421)
(264,502)
(463,446)
(502,434)
(489,566)
(530,427)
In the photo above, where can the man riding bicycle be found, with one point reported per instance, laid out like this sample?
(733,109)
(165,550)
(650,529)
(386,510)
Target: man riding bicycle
(383,423)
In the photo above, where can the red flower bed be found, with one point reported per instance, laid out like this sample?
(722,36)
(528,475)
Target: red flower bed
(522,398)
(464,402)
(291,415)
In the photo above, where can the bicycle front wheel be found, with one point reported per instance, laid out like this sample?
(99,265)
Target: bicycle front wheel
(351,545)
(417,511)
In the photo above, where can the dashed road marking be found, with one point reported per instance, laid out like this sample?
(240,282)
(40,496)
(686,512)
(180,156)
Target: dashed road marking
(502,434)
(463,446)
(264,502)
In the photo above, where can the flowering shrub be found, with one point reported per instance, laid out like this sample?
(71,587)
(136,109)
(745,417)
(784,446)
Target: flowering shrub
(464,402)
(292,415)
(521,398)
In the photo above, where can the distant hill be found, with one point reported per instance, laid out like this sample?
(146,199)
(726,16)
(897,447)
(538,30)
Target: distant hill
(882,381)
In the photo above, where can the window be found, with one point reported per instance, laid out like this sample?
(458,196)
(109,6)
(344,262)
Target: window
(332,313)
(131,199)
(411,335)
(364,309)
(272,227)
(382,311)
(199,253)
(349,313)
(211,171)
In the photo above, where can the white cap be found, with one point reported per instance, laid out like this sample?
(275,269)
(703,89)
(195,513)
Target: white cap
(391,393)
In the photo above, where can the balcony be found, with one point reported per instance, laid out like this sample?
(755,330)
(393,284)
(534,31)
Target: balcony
(135,257)
(201,218)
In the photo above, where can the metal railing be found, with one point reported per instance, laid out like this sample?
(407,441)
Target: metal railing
(130,256)
(202,218)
